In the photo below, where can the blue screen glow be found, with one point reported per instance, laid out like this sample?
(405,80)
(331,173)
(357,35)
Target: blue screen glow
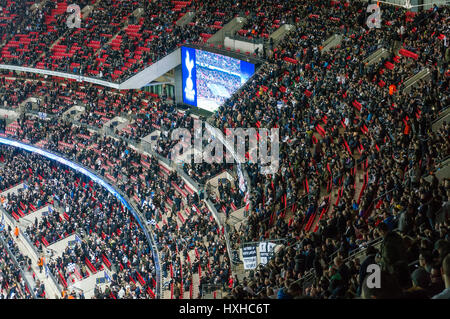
(209,79)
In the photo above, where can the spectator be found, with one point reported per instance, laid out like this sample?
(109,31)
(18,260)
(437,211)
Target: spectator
(445,270)
(421,281)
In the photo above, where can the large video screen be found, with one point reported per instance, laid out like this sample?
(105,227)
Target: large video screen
(209,78)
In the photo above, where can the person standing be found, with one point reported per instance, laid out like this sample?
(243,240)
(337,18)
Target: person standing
(40,264)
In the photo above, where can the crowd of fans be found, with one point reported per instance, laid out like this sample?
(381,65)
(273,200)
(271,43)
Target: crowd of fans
(115,160)
(78,206)
(267,18)
(215,85)
(12,283)
(414,255)
(392,133)
(338,121)
(390,127)
(325,89)
(114,40)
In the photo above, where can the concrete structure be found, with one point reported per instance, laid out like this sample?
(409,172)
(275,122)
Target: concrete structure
(424,74)
(228,29)
(280,33)
(375,57)
(185,19)
(331,42)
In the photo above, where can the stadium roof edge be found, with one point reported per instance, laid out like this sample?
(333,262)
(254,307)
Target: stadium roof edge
(142,78)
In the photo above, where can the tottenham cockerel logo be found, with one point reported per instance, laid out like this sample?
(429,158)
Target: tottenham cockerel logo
(189,88)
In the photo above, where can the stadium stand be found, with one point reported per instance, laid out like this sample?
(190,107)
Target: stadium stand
(81,207)
(358,155)
(12,282)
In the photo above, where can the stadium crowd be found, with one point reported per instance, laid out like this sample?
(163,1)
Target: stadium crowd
(115,40)
(215,85)
(82,207)
(12,283)
(336,118)
(146,192)
(392,133)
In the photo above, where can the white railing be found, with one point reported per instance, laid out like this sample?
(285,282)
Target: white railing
(66,75)
(136,81)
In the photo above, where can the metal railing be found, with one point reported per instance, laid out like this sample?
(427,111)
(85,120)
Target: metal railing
(251,243)
(211,289)
(236,36)
(221,224)
(233,54)
(440,116)
(310,277)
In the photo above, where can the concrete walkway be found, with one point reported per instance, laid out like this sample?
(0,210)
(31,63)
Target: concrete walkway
(25,248)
